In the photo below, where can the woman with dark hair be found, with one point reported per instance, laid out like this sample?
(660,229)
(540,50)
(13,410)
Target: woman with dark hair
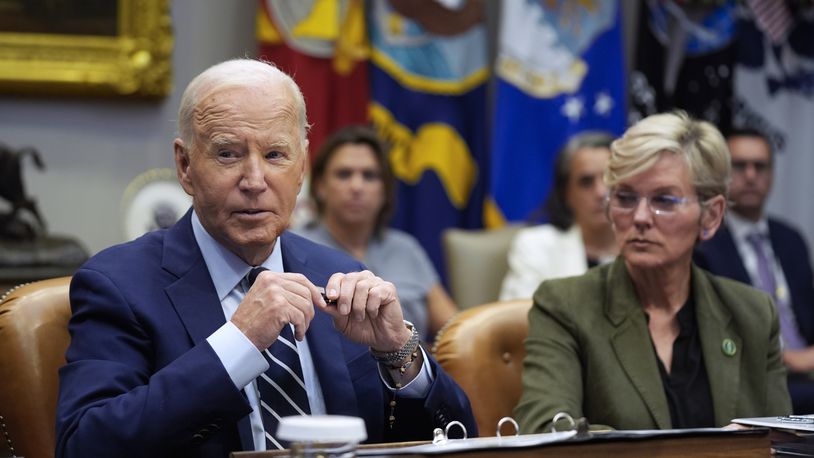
(578,235)
(354,189)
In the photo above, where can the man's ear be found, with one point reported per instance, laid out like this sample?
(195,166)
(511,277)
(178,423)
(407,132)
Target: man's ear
(304,166)
(182,166)
(712,217)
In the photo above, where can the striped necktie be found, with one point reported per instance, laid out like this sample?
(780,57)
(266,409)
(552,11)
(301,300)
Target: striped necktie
(281,387)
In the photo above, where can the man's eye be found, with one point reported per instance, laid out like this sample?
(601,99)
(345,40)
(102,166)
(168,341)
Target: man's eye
(274,155)
(226,154)
(761,167)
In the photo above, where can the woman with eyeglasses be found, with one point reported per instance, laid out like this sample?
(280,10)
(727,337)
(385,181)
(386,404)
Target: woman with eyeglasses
(578,235)
(650,341)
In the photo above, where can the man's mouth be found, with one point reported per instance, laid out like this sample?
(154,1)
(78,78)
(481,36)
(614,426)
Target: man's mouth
(251,211)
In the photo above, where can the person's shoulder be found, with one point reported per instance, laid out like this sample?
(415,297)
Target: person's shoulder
(784,231)
(543,230)
(738,296)
(543,235)
(297,244)
(130,254)
(397,237)
(586,288)
(132,266)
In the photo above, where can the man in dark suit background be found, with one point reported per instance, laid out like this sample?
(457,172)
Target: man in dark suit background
(169,331)
(769,254)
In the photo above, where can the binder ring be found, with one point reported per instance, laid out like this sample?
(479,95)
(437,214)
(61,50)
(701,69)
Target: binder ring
(438,437)
(563,416)
(505,420)
(454,423)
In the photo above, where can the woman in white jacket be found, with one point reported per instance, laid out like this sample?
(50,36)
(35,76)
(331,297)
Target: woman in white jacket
(578,234)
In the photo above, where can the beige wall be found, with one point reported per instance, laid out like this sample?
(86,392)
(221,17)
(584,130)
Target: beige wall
(94,147)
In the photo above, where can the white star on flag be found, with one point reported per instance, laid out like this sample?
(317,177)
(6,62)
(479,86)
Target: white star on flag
(603,104)
(572,109)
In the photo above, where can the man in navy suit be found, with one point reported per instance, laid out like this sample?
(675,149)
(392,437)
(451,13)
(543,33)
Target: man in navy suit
(168,336)
(768,254)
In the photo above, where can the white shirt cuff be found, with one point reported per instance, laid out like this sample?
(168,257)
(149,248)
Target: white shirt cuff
(241,359)
(418,387)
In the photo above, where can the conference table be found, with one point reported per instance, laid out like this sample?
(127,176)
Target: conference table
(721,443)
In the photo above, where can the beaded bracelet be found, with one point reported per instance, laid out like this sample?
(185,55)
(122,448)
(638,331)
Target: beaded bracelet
(391,419)
(391,357)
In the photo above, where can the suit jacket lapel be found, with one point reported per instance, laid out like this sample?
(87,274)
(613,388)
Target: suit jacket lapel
(193,295)
(715,326)
(632,345)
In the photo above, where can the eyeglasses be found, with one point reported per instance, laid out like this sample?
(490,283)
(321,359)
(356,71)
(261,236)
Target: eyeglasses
(659,204)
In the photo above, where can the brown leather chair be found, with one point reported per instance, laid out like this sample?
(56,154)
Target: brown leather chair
(33,340)
(482,348)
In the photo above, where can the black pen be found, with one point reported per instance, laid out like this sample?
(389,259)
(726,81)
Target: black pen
(327,301)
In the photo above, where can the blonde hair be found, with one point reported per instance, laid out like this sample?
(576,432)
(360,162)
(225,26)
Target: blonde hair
(699,143)
(236,73)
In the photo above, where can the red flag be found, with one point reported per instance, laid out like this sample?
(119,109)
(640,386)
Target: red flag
(323,45)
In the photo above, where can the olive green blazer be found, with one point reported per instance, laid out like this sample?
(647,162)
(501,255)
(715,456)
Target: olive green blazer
(589,353)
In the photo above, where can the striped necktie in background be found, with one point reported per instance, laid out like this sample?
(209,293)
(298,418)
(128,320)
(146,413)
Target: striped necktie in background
(281,387)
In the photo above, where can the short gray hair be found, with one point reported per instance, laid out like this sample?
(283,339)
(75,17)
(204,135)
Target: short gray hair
(235,72)
(699,143)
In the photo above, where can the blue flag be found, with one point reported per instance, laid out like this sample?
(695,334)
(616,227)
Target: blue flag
(429,102)
(560,71)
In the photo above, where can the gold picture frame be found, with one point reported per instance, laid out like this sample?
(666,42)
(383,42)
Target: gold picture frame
(134,61)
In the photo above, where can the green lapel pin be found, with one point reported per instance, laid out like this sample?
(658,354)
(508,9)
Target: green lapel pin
(729,347)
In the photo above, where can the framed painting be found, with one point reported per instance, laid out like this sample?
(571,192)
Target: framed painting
(87,47)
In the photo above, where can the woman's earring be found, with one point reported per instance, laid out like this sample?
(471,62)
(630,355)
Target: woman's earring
(705,233)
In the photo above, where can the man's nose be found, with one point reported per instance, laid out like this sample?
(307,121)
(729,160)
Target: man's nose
(253,177)
(750,171)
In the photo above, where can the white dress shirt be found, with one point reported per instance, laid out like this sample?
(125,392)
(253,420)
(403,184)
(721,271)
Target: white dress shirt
(241,359)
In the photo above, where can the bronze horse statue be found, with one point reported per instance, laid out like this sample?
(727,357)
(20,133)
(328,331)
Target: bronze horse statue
(12,225)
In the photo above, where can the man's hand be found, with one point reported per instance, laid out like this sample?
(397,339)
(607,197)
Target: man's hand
(367,310)
(275,300)
(801,360)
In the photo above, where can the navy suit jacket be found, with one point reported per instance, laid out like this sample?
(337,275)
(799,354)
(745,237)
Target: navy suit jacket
(141,379)
(720,256)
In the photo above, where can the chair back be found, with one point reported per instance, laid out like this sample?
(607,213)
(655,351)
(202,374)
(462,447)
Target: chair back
(476,263)
(482,349)
(33,339)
